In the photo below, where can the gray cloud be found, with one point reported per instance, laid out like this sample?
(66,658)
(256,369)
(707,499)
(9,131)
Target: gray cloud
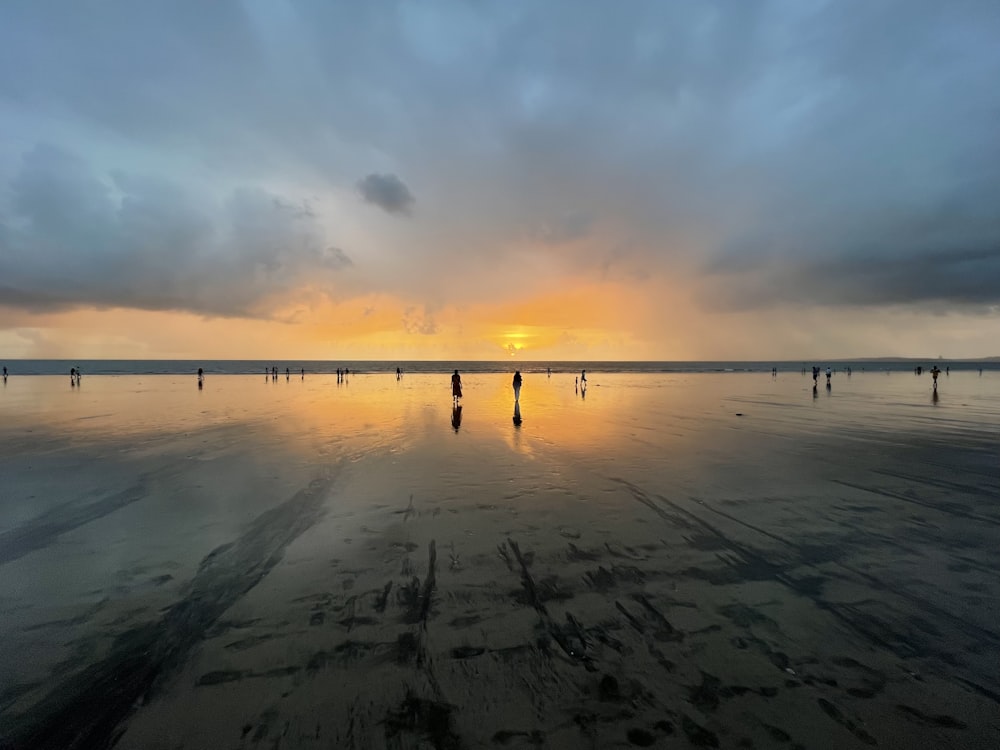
(785,152)
(73,238)
(388,192)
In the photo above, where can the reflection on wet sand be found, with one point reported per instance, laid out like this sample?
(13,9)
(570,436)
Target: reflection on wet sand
(316,567)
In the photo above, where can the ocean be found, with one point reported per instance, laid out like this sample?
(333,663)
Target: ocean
(254,366)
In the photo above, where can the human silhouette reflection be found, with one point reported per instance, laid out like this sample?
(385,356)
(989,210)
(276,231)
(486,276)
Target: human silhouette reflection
(517,413)
(456,417)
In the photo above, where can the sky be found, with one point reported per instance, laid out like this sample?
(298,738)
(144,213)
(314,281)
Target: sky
(532,180)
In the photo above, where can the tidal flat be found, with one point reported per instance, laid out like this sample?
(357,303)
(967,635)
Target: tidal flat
(682,560)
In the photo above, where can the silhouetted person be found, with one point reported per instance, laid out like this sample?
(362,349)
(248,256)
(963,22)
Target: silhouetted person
(201,377)
(288,374)
(548,371)
(456,386)
(576,385)
(517,413)
(815,375)
(947,370)
(303,373)
(78,374)
(72,376)
(583,379)
(456,416)
(517,385)
(399,373)
(5,374)
(934,374)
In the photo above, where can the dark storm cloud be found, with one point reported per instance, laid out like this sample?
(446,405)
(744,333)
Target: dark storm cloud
(782,150)
(388,192)
(74,238)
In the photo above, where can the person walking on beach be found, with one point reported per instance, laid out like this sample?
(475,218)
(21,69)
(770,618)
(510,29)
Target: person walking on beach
(517,385)
(828,373)
(5,373)
(934,375)
(201,376)
(456,387)
(399,374)
(72,376)
(583,379)
(815,376)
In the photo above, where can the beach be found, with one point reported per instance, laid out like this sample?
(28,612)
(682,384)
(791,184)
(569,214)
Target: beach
(666,560)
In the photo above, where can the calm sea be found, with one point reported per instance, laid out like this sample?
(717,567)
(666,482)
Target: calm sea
(252,366)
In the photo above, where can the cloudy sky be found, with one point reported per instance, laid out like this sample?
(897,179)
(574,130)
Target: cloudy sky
(472,179)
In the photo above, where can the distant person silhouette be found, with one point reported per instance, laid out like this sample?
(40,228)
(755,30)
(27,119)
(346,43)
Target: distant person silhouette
(303,373)
(201,376)
(828,373)
(72,376)
(5,374)
(399,373)
(548,371)
(583,379)
(288,374)
(934,374)
(456,386)
(815,375)
(517,413)
(79,374)
(517,385)
(456,416)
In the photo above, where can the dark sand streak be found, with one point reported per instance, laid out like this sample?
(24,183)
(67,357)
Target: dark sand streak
(87,710)
(40,532)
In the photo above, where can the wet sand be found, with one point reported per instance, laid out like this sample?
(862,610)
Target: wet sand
(670,561)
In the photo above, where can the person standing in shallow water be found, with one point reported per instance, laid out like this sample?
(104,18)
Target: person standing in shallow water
(201,376)
(456,386)
(517,385)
